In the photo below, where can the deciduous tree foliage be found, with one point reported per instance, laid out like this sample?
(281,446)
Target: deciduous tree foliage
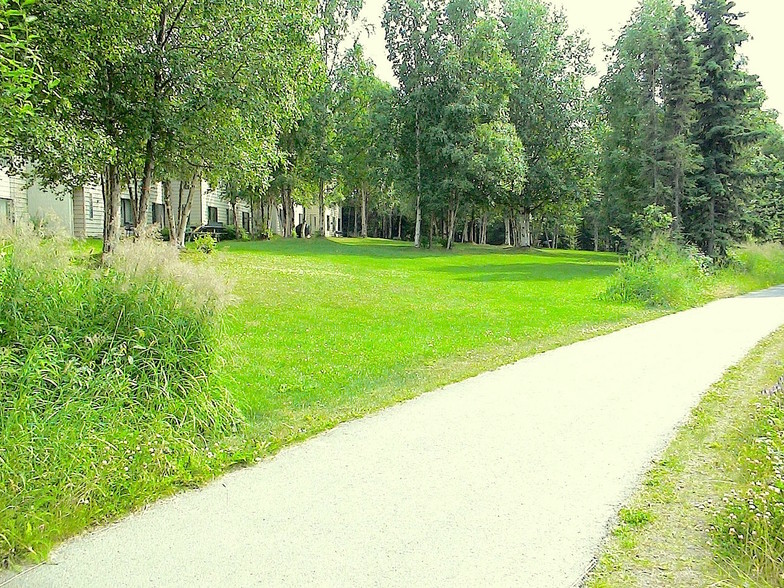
(549,108)
(19,71)
(177,88)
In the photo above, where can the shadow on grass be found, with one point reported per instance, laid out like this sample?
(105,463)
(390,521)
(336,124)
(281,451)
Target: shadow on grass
(520,272)
(383,248)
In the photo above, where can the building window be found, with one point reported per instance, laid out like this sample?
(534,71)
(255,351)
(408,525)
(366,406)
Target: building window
(212,215)
(6,210)
(246,221)
(126,212)
(229,220)
(340,228)
(327,225)
(158,215)
(90,207)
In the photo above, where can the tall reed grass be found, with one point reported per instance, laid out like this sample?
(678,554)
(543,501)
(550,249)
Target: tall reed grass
(663,273)
(106,392)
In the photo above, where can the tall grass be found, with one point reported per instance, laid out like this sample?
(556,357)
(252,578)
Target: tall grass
(663,273)
(106,395)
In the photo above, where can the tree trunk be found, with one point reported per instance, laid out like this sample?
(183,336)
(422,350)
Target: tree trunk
(169,211)
(464,238)
(507,234)
(523,229)
(596,233)
(451,221)
(711,249)
(142,202)
(320,229)
(363,194)
(400,228)
(110,188)
(676,192)
(432,228)
(356,225)
(253,229)
(235,210)
(184,210)
(418,225)
(287,214)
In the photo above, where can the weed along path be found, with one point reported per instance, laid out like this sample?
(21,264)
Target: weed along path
(509,478)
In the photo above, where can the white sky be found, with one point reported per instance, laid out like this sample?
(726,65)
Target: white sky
(602,19)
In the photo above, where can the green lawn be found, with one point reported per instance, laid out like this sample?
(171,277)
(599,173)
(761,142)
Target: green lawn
(326,330)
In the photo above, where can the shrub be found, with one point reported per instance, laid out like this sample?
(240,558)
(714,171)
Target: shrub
(662,273)
(230,232)
(263,234)
(106,393)
(204,243)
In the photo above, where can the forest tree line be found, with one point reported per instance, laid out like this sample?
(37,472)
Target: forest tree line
(490,136)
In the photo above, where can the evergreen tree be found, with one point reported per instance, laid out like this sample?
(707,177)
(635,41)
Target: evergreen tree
(714,217)
(634,165)
(681,95)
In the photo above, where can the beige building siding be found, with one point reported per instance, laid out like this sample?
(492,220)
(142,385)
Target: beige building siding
(81,211)
(194,219)
(88,212)
(155,211)
(19,196)
(55,205)
(79,229)
(216,198)
(213,198)
(14,195)
(332,221)
(6,202)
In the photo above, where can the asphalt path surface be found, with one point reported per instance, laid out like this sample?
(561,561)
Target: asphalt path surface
(511,478)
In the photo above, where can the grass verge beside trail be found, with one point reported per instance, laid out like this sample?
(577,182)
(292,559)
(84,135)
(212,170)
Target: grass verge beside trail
(699,517)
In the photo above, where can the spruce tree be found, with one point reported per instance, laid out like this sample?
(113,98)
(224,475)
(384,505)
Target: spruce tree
(681,94)
(722,130)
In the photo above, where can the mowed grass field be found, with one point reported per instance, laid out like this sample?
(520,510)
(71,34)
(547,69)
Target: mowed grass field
(326,330)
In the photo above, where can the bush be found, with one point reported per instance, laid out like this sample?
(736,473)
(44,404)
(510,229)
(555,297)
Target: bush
(204,243)
(106,394)
(662,273)
(263,234)
(232,232)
